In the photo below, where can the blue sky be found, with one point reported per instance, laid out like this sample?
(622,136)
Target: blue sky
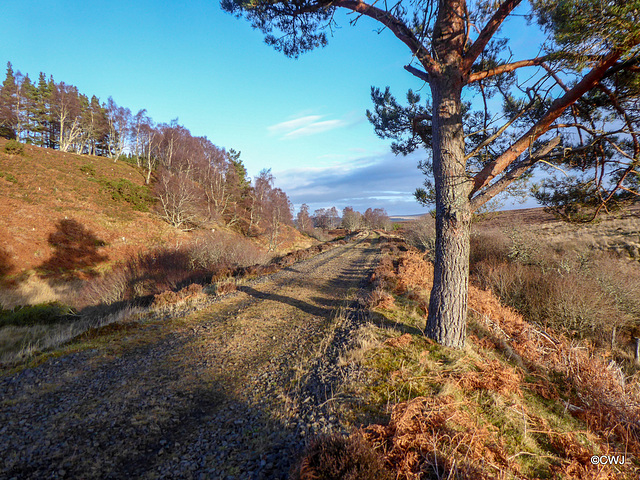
(304,119)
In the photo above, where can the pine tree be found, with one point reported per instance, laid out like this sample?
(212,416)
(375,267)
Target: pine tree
(28,96)
(8,105)
(454,46)
(40,114)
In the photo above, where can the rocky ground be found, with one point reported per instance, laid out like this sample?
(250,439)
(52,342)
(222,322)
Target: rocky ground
(231,391)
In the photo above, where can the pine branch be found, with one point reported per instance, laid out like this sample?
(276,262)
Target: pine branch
(516,170)
(507,67)
(590,80)
(397,26)
(488,32)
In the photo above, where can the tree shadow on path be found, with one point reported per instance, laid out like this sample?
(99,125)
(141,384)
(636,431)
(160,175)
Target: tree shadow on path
(304,306)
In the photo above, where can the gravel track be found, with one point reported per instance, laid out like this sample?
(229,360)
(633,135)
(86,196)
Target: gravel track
(230,391)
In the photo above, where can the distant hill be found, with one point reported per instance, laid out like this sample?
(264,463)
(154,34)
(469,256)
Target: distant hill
(406,218)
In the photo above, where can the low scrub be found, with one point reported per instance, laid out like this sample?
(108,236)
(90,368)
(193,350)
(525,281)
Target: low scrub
(518,401)
(144,275)
(168,300)
(585,294)
(13,147)
(421,234)
(340,457)
(139,197)
(40,314)
(210,258)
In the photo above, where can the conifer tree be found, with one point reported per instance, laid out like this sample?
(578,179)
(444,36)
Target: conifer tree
(9,105)
(28,95)
(40,113)
(455,46)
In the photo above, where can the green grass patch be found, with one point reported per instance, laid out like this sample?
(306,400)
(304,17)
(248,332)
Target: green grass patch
(88,169)
(39,314)
(401,373)
(123,190)
(8,177)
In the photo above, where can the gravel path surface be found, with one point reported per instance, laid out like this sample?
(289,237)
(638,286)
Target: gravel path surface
(230,391)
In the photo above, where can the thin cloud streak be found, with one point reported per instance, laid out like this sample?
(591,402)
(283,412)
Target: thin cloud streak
(309,125)
(292,125)
(315,128)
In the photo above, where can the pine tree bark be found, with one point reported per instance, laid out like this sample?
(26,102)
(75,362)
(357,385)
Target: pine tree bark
(446,322)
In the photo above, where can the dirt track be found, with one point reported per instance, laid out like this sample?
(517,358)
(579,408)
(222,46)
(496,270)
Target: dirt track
(221,393)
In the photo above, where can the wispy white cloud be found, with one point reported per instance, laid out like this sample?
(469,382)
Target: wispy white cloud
(307,125)
(315,128)
(293,125)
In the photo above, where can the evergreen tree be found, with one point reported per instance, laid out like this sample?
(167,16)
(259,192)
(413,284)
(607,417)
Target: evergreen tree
(8,105)
(457,48)
(243,179)
(40,112)
(29,96)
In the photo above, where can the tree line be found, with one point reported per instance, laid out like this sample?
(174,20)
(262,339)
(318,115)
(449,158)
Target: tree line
(56,115)
(194,181)
(329,218)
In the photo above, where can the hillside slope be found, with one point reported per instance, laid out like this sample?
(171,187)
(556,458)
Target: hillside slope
(46,193)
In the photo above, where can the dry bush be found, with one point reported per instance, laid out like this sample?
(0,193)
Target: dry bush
(212,249)
(318,234)
(169,299)
(106,290)
(596,386)
(621,281)
(409,273)
(413,271)
(226,286)
(143,275)
(384,274)
(378,298)
(580,293)
(488,246)
(337,457)
(421,234)
(570,302)
(436,438)
(165,299)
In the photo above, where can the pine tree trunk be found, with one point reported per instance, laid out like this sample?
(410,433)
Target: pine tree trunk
(446,323)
